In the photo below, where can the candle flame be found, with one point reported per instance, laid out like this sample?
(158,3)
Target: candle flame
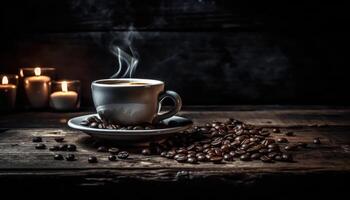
(21,73)
(5,80)
(64,86)
(37,71)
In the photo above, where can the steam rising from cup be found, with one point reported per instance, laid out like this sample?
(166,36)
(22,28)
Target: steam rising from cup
(124,59)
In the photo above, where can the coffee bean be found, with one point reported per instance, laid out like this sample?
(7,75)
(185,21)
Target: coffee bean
(37,139)
(317,141)
(216,159)
(205,146)
(40,146)
(192,160)
(278,158)
(181,151)
(272,154)
(276,130)
(138,128)
(255,148)
(170,154)
(216,143)
(84,123)
(191,147)
(201,157)
(63,147)
(240,152)
(290,147)
(181,158)
(146,152)
(70,157)
(287,157)
(233,154)
(302,144)
(225,148)
(71,147)
(123,155)
(245,157)
(112,158)
(273,150)
(199,148)
(218,152)
(93,125)
(102,149)
(92,119)
(113,151)
(228,157)
(191,155)
(273,146)
(266,159)
(282,140)
(267,142)
(92,159)
(264,134)
(263,151)
(289,133)
(255,156)
(163,153)
(59,139)
(54,148)
(58,157)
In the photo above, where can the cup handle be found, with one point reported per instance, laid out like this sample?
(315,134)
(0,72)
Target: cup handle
(177,101)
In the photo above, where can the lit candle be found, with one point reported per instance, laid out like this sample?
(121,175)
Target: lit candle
(64,100)
(7,94)
(37,89)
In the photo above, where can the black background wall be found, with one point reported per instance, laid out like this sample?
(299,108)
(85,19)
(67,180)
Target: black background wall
(210,51)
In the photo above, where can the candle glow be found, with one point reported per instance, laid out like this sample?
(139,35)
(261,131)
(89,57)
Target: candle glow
(64,99)
(64,86)
(5,80)
(37,71)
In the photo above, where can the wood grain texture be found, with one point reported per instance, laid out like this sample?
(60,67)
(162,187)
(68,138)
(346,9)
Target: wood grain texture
(266,116)
(328,163)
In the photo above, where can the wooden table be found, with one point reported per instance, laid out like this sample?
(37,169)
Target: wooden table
(321,169)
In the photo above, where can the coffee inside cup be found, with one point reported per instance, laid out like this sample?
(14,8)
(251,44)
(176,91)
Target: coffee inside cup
(123,83)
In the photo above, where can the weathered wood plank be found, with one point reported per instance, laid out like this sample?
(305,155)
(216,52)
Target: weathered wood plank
(273,116)
(18,152)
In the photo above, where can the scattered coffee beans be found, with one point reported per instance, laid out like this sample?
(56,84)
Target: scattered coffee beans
(112,157)
(276,130)
(37,139)
(70,157)
(146,152)
(266,159)
(317,141)
(216,159)
(63,147)
(95,122)
(54,148)
(92,159)
(282,140)
(123,155)
(102,149)
(71,147)
(58,157)
(113,151)
(59,139)
(214,142)
(40,146)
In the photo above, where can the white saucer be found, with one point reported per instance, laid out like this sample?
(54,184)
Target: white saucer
(176,124)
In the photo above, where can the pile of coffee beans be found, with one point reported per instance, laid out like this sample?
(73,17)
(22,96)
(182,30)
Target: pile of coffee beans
(95,122)
(216,142)
(219,142)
